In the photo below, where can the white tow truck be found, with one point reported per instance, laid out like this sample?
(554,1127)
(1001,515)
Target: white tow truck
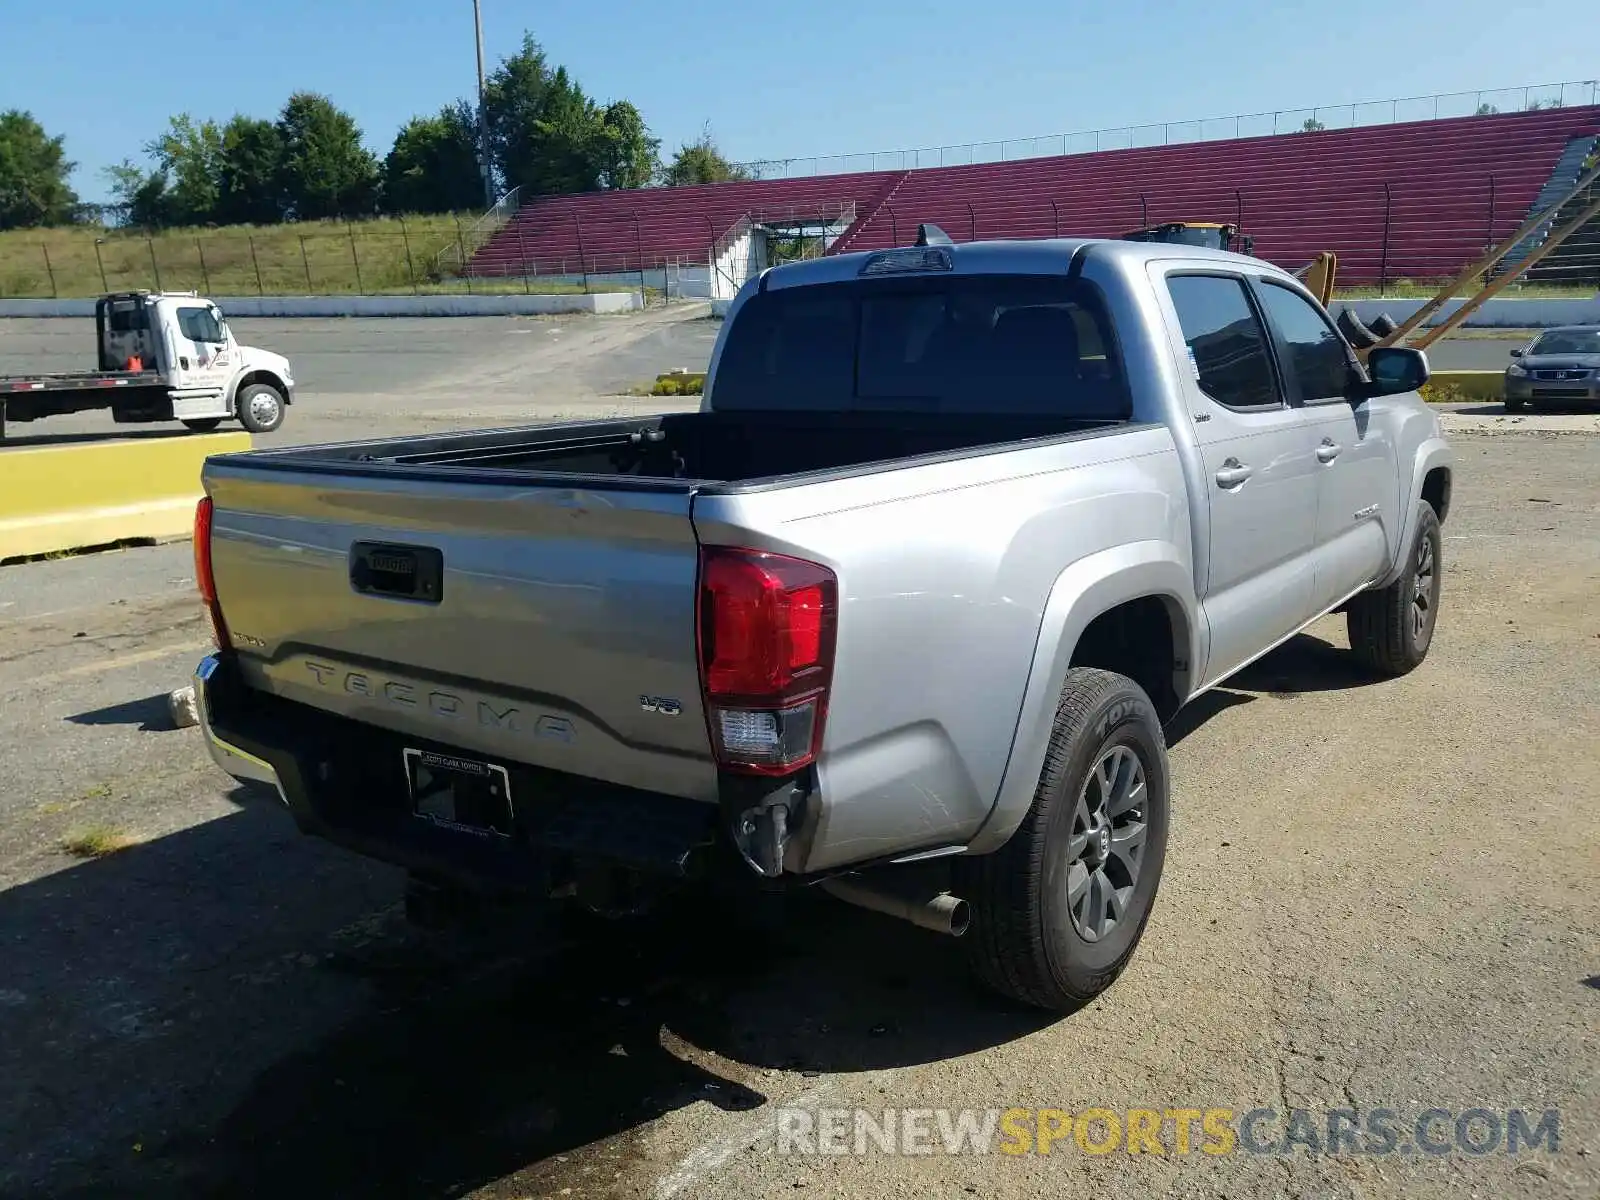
(163,356)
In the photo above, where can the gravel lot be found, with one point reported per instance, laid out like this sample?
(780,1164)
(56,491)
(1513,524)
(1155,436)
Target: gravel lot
(1377,895)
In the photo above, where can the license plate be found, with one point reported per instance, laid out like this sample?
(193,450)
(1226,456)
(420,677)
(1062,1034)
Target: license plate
(459,793)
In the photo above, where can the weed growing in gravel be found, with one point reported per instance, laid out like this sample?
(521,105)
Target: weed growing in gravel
(97,842)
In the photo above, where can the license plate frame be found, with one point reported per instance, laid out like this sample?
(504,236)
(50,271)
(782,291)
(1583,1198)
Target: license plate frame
(437,785)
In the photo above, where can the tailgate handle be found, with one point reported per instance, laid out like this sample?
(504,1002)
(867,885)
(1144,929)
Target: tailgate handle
(403,572)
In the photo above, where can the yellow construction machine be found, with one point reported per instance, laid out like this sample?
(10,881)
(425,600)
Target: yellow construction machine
(1317,275)
(1212,235)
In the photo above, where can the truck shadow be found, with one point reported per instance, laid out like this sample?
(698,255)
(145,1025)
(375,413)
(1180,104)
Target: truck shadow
(150,714)
(237,1010)
(1305,663)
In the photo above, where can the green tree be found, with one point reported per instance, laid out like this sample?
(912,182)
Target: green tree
(189,156)
(701,162)
(249,182)
(33,174)
(139,196)
(624,151)
(566,139)
(433,166)
(325,170)
(546,136)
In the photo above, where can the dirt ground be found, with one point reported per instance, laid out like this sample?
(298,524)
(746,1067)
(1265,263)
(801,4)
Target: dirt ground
(1376,895)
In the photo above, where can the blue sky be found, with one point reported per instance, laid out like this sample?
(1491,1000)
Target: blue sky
(773,80)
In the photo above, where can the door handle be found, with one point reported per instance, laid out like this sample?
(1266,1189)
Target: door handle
(1232,473)
(1328,451)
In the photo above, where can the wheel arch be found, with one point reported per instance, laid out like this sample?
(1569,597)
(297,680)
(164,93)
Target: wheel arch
(260,375)
(1432,479)
(1095,610)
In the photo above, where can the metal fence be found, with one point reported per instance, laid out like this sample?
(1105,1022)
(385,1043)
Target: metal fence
(1329,116)
(378,258)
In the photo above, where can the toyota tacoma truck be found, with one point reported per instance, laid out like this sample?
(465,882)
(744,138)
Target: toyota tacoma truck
(899,613)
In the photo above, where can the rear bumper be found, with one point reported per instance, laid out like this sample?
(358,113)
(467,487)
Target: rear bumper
(344,782)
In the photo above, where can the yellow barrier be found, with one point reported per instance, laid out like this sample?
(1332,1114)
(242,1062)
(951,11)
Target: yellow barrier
(1465,385)
(75,495)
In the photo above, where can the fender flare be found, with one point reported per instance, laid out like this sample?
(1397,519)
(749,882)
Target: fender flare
(1085,589)
(1433,453)
(259,375)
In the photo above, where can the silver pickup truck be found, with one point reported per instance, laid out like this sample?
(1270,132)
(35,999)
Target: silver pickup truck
(899,613)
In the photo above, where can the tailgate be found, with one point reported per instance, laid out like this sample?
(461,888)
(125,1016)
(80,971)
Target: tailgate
(550,625)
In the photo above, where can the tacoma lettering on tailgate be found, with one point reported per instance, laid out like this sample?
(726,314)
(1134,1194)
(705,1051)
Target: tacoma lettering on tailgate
(446,706)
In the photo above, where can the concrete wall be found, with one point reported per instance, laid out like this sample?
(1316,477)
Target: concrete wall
(79,494)
(366,306)
(682,281)
(746,256)
(1498,313)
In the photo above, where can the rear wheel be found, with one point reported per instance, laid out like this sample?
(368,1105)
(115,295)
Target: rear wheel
(1059,909)
(260,408)
(203,425)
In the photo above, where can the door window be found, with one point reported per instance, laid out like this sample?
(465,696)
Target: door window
(200,325)
(1316,358)
(1227,343)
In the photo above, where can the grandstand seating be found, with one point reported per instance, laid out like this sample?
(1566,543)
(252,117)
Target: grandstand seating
(1416,200)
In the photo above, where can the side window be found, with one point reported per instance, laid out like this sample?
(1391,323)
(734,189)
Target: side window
(1225,340)
(1317,359)
(198,325)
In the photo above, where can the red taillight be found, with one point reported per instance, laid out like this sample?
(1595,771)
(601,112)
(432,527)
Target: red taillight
(203,577)
(766,656)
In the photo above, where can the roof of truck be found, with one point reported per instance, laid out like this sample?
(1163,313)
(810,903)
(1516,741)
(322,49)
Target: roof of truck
(1020,254)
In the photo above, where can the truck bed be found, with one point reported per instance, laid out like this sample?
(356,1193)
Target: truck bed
(71,381)
(680,451)
(513,593)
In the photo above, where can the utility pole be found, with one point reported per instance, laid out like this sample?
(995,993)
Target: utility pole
(483,117)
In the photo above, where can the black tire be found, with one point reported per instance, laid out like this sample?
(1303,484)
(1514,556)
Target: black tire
(1025,941)
(1383,325)
(254,413)
(1387,635)
(203,425)
(1357,334)
(1516,405)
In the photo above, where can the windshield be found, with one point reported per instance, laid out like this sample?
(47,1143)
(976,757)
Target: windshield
(1567,341)
(1005,344)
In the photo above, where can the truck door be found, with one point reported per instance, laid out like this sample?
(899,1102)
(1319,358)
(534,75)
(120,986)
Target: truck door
(1357,477)
(1259,469)
(202,361)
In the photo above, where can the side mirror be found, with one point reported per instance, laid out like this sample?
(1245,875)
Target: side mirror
(1518,352)
(1394,370)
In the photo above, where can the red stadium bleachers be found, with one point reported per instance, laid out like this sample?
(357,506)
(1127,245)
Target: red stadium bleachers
(1414,200)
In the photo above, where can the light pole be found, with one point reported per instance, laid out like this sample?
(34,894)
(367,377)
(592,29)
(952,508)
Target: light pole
(483,117)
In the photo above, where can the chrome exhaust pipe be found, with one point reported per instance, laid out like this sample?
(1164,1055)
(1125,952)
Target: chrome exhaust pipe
(942,913)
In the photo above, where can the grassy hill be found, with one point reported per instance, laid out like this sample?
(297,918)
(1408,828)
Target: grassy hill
(391,255)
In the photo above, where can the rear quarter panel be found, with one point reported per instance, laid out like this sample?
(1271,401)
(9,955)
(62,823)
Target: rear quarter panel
(945,573)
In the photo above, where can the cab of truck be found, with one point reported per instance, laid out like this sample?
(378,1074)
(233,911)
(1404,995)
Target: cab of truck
(182,340)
